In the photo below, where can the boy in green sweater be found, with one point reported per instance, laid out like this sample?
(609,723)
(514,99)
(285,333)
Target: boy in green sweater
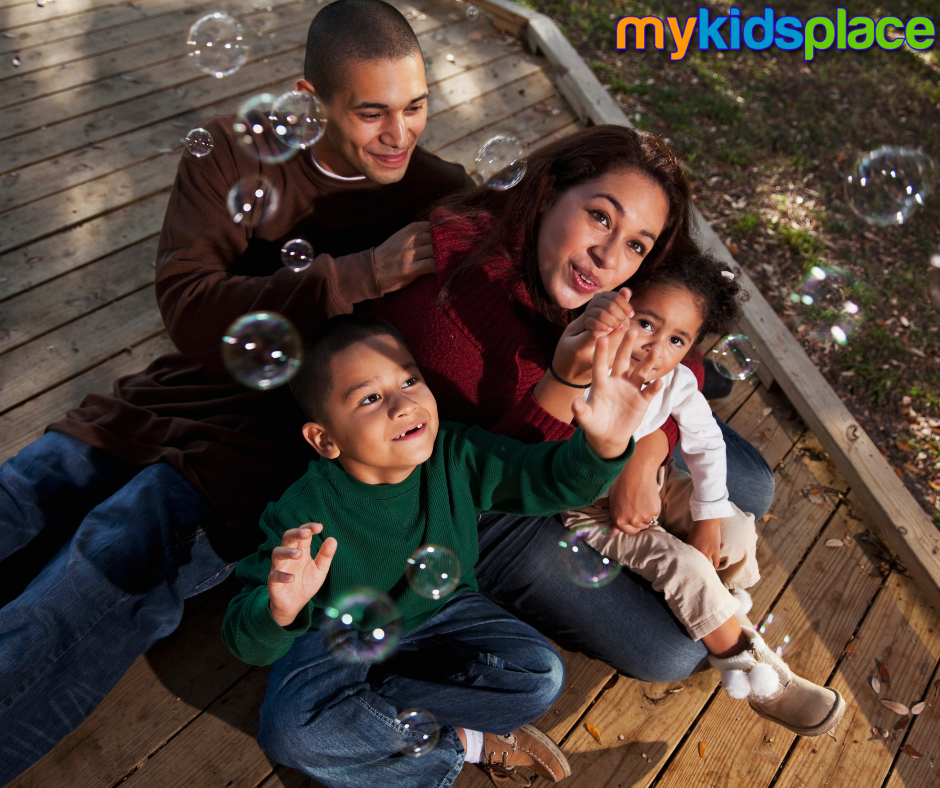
(389,480)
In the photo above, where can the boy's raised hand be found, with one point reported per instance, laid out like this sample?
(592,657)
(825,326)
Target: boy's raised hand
(617,402)
(295,575)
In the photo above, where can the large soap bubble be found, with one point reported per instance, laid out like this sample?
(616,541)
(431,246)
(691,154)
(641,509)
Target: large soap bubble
(199,142)
(417,732)
(297,118)
(252,201)
(297,254)
(501,162)
(362,625)
(262,350)
(217,44)
(776,632)
(888,184)
(255,129)
(433,571)
(583,564)
(830,304)
(735,357)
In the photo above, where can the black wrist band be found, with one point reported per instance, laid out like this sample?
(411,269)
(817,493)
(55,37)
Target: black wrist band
(564,382)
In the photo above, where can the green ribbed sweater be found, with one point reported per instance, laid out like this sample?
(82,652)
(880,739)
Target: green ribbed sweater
(378,527)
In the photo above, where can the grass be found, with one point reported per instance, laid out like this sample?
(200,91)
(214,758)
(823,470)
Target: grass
(768,140)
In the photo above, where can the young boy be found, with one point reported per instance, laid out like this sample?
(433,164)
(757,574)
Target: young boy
(704,547)
(389,480)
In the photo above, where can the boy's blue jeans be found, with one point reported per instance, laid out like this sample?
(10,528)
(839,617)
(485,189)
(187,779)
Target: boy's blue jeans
(138,546)
(472,665)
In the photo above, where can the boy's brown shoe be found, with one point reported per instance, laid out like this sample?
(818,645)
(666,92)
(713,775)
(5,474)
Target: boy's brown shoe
(527,747)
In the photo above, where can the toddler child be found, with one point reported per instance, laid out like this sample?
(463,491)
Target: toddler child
(702,552)
(389,480)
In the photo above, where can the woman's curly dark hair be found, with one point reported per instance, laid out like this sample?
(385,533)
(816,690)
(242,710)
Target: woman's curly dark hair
(719,296)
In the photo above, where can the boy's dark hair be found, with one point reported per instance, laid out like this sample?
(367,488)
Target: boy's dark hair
(347,30)
(312,384)
(719,296)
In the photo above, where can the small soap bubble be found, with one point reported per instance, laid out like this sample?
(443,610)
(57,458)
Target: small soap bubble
(262,350)
(735,357)
(361,625)
(433,571)
(297,118)
(255,129)
(775,631)
(501,162)
(583,564)
(297,254)
(217,44)
(472,12)
(829,304)
(890,183)
(199,142)
(252,201)
(417,732)
(933,278)
(428,62)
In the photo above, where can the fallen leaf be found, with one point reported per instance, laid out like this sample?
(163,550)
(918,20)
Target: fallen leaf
(34,259)
(768,517)
(901,723)
(621,737)
(897,708)
(594,732)
(817,499)
(875,731)
(908,750)
(875,684)
(830,733)
(834,543)
(883,669)
(475,36)
(917,708)
(701,748)
(850,647)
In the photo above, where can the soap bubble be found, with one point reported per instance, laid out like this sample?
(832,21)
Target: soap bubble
(297,254)
(433,571)
(252,201)
(216,42)
(890,183)
(254,129)
(199,142)
(417,732)
(933,279)
(428,62)
(829,302)
(472,12)
(735,357)
(362,625)
(583,564)
(262,350)
(501,162)
(775,631)
(297,118)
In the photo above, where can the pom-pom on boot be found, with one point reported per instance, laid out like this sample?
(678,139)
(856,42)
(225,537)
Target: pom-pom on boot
(775,692)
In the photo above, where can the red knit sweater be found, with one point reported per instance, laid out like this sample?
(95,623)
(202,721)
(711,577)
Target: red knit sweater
(483,352)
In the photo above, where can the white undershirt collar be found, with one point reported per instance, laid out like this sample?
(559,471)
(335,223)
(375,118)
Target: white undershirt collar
(333,174)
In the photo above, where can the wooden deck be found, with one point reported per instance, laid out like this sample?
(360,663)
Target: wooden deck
(95,111)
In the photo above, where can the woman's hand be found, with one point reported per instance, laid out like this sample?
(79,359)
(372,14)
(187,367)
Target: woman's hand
(617,402)
(705,536)
(606,313)
(634,495)
(295,575)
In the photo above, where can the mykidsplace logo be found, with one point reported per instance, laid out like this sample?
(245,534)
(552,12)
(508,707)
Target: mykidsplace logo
(787,32)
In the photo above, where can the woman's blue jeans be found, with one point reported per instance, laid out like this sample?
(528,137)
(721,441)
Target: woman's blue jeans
(471,665)
(625,623)
(138,545)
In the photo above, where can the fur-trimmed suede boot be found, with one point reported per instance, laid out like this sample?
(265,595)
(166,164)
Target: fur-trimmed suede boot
(527,747)
(775,692)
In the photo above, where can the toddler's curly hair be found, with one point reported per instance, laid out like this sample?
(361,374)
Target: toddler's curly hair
(718,294)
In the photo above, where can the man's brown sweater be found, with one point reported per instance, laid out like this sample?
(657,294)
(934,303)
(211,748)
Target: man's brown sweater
(240,447)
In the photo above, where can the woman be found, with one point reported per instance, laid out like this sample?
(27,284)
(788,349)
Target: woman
(526,282)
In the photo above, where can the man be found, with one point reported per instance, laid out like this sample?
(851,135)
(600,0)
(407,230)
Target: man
(148,482)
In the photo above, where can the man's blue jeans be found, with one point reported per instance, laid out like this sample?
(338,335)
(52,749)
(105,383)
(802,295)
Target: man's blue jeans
(472,666)
(139,546)
(625,623)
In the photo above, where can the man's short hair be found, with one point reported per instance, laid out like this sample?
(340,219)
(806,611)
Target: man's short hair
(348,30)
(313,383)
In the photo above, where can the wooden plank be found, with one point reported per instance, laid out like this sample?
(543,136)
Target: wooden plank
(160,694)
(726,407)
(650,718)
(902,630)
(769,424)
(26,423)
(74,348)
(288,778)
(908,772)
(45,308)
(819,610)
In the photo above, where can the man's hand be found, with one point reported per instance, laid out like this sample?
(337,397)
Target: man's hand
(617,402)
(606,314)
(634,495)
(404,257)
(295,575)
(705,536)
